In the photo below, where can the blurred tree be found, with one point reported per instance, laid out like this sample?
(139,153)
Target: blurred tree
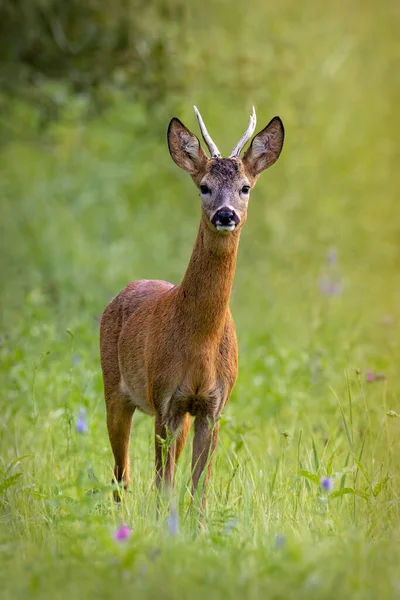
(92,48)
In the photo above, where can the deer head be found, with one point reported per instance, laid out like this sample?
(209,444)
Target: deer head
(225,183)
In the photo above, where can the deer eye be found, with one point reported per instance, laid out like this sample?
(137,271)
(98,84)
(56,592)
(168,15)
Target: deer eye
(204,189)
(245,189)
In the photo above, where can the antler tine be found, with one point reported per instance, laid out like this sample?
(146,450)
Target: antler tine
(246,136)
(215,153)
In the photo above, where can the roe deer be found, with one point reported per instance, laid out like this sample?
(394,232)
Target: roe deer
(170,350)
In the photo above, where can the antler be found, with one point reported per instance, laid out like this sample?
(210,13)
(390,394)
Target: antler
(215,153)
(246,136)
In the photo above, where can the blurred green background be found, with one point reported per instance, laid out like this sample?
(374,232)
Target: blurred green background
(90,200)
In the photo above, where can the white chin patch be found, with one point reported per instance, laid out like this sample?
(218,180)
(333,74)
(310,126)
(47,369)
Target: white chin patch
(225,227)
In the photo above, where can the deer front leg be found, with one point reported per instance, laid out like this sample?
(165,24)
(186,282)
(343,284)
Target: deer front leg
(182,437)
(205,440)
(171,430)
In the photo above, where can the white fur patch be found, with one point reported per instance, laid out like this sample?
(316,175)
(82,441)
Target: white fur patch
(225,227)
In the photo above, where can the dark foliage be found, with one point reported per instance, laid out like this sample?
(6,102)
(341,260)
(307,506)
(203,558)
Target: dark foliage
(93,48)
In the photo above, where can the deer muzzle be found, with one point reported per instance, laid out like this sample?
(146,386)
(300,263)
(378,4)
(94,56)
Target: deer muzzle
(225,219)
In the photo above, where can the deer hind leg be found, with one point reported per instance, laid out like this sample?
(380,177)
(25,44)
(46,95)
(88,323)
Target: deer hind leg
(119,420)
(118,406)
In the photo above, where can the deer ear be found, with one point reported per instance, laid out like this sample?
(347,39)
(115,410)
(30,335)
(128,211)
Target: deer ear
(185,148)
(265,148)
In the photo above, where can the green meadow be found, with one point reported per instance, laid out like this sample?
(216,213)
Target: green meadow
(91,200)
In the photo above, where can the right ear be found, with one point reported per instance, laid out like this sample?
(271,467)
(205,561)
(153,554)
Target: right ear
(185,148)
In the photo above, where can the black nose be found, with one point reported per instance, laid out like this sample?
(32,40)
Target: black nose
(225,216)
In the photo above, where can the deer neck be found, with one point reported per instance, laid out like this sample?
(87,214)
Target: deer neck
(207,284)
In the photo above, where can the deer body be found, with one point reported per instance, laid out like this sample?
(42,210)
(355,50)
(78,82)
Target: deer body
(170,350)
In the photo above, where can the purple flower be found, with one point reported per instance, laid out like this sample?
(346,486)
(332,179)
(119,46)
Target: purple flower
(173,520)
(230,525)
(81,423)
(370,376)
(330,287)
(280,541)
(326,484)
(122,533)
(331,257)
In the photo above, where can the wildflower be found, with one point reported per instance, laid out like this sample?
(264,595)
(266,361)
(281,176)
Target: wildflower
(330,282)
(230,525)
(329,286)
(122,533)
(280,541)
(326,484)
(173,520)
(331,257)
(81,423)
(370,376)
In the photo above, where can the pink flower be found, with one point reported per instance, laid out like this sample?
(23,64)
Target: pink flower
(370,376)
(122,533)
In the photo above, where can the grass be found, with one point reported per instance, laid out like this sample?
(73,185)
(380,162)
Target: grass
(89,205)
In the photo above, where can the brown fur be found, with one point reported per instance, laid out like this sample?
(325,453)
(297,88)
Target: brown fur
(169,350)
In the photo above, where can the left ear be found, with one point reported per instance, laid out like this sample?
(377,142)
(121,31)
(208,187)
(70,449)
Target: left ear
(265,148)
